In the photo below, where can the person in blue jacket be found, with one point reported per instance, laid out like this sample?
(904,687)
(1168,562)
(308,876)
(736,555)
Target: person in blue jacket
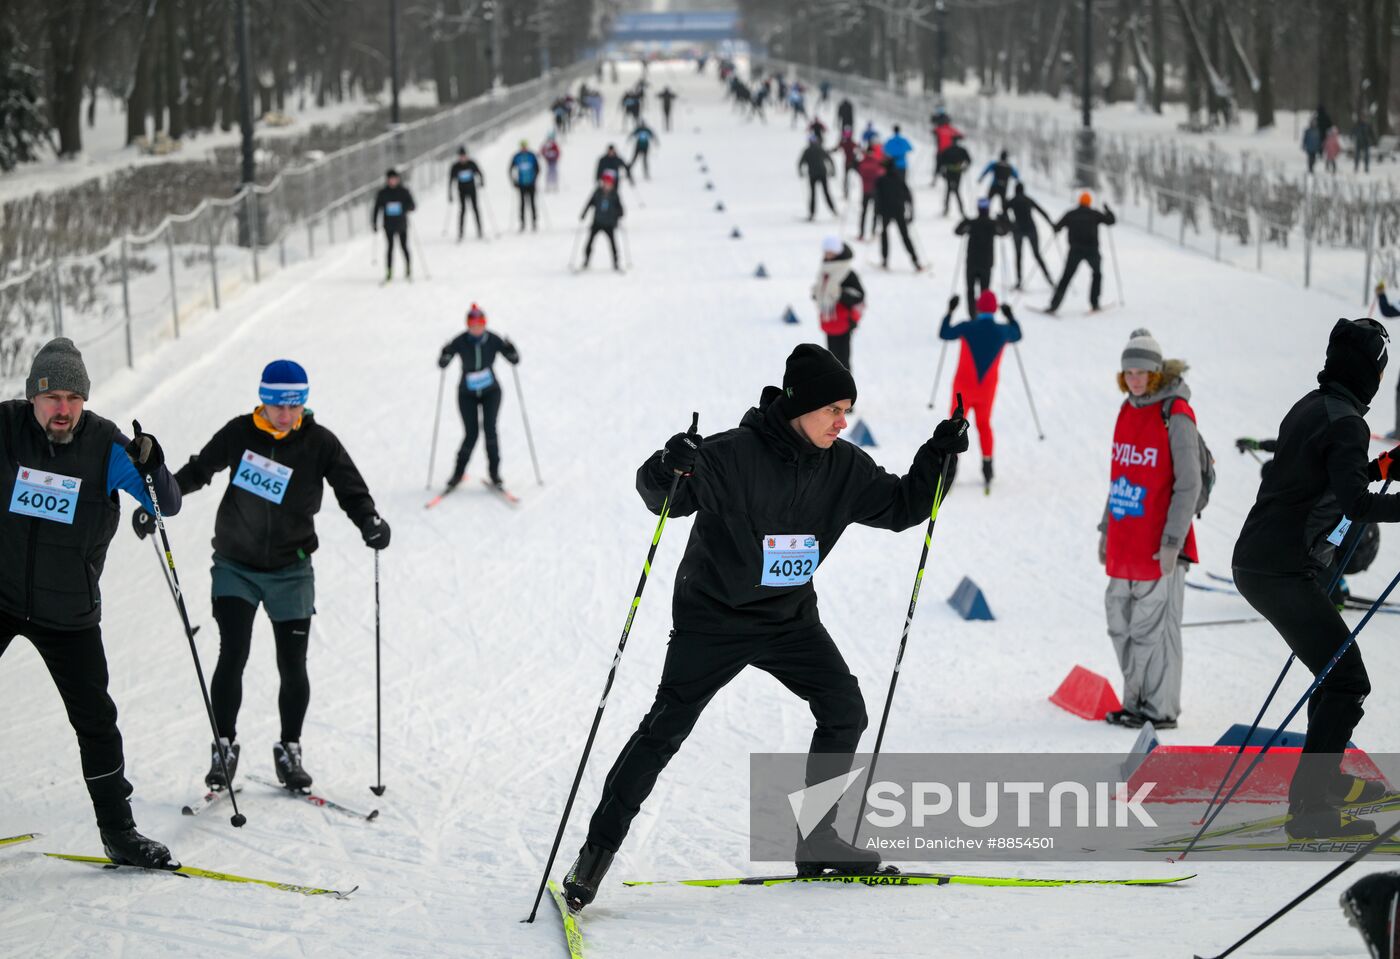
(524,171)
(1002,173)
(898,148)
(979,365)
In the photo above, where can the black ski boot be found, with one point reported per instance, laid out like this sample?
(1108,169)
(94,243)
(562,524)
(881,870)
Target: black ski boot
(987,474)
(127,847)
(823,851)
(1352,790)
(214,779)
(1370,905)
(455,481)
(1124,717)
(582,881)
(287,757)
(1327,823)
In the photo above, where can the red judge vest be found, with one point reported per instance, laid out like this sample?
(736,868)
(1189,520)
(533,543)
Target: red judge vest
(1141,491)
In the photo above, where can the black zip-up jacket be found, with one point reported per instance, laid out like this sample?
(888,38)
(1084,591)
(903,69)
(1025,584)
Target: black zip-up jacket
(50,569)
(477,178)
(982,232)
(893,201)
(392,194)
(1083,225)
(251,530)
(953,162)
(816,162)
(616,164)
(606,206)
(762,478)
(1022,210)
(478,353)
(1319,474)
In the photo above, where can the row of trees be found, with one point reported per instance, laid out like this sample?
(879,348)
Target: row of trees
(175,62)
(1215,55)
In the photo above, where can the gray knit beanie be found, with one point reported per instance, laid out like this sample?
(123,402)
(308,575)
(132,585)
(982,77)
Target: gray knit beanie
(1142,352)
(57,366)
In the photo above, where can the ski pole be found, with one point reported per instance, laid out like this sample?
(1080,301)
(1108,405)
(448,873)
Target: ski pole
(1016,351)
(939,492)
(422,257)
(1341,867)
(447,215)
(626,247)
(1317,681)
(573,252)
(490,214)
(529,439)
(957,261)
(379,787)
(437,421)
(1268,700)
(1117,277)
(238,819)
(612,674)
(544,210)
(938,377)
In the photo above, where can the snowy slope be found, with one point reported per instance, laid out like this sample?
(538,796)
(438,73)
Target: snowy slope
(499,625)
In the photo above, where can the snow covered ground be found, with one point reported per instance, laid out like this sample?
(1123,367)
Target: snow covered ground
(499,625)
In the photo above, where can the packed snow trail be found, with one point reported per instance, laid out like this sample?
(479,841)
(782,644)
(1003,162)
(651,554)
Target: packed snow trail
(499,624)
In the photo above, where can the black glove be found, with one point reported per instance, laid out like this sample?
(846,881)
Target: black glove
(145,453)
(142,522)
(1244,444)
(1006,311)
(953,302)
(444,358)
(681,453)
(1107,208)
(375,531)
(950,436)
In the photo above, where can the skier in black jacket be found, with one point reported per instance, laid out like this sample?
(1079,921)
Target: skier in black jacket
(478,391)
(279,459)
(1312,491)
(610,162)
(395,202)
(607,214)
(845,115)
(1082,224)
(1023,230)
(952,163)
(467,176)
(981,232)
(744,594)
(894,204)
(61,466)
(818,166)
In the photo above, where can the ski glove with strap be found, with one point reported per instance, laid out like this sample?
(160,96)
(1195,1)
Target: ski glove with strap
(375,531)
(949,437)
(142,522)
(681,453)
(444,358)
(145,452)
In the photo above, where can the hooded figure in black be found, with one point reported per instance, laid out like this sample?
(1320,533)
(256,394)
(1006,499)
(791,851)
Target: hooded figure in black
(952,163)
(771,498)
(1310,494)
(1082,226)
(894,204)
(981,232)
(818,166)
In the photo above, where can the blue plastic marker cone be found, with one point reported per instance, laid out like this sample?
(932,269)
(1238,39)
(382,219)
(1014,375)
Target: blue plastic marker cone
(760,273)
(860,434)
(790,316)
(719,206)
(709,185)
(734,234)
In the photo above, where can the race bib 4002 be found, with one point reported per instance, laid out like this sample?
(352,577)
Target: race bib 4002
(1125,499)
(50,496)
(789,559)
(262,477)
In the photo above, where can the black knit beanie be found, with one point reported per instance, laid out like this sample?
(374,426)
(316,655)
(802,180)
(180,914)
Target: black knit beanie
(813,379)
(1357,352)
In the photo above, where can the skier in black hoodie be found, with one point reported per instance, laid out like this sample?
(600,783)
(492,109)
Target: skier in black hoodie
(738,603)
(607,214)
(395,202)
(1023,230)
(1082,224)
(1312,491)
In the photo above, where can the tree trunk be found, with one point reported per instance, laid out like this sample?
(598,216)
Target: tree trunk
(173,71)
(1159,55)
(70,26)
(1382,90)
(1333,77)
(138,101)
(1193,70)
(1264,55)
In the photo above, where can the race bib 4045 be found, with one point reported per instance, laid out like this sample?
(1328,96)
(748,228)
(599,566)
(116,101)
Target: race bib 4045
(1125,499)
(50,496)
(262,477)
(789,559)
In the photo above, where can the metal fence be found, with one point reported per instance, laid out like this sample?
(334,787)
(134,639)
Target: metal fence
(120,302)
(1318,232)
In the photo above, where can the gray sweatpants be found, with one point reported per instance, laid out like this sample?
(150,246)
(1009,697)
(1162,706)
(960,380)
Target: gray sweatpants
(1144,622)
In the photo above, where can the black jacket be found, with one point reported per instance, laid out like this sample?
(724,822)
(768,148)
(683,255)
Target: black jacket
(477,353)
(982,232)
(1022,210)
(616,164)
(392,194)
(817,163)
(763,478)
(476,179)
(251,530)
(953,162)
(1083,225)
(893,201)
(1319,473)
(606,206)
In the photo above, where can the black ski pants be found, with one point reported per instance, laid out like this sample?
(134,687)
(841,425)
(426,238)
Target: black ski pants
(666,115)
(840,346)
(1078,255)
(640,154)
(979,278)
(465,196)
(235,619)
(812,184)
(1029,236)
(952,190)
(1311,626)
(527,193)
(867,203)
(903,226)
(77,664)
(486,404)
(996,190)
(396,230)
(593,232)
(698,665)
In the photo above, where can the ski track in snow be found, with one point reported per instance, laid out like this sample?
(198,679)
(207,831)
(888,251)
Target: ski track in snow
(499,624)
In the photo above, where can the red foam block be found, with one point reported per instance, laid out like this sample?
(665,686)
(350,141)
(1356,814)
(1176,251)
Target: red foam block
(1191,773)
(1086,694)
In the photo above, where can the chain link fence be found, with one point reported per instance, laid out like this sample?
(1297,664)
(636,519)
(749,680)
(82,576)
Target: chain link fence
(121,302)
(1322,232)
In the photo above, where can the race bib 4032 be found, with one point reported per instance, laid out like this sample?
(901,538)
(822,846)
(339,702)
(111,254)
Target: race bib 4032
(50,496)
(262,477)
(789,559)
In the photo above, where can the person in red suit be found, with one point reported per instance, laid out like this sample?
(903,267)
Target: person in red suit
(979,365)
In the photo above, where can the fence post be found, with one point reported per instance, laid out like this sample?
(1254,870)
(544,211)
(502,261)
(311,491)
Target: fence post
(56,303)
(1216,223)
(330,226)
(1151,204)
(282,250)
(1307,233)
(251,201)
(174,297)
(311,239)
(213,261)
(126,304)
(1181,235)
(1370,244)
(1259,244)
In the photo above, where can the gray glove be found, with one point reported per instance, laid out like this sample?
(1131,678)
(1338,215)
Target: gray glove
(1103,548)
(1167,557)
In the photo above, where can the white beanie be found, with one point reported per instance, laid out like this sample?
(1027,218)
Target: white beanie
(831,243)
(1143,352)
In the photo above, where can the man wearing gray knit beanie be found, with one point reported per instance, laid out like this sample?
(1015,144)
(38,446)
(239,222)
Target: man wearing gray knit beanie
(60,469)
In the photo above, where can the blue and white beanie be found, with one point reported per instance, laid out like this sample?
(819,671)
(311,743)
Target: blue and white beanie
(283,384)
